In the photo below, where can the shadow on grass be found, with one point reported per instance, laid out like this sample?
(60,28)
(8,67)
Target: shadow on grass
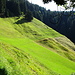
(21,21)
(3,72)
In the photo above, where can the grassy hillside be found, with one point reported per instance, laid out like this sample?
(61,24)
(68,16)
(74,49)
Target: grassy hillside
(32,48)
(35,30)
(14,61)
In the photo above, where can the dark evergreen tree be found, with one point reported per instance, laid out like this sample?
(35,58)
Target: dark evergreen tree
(2,7)
(13,7)
(23,7)
(28,16)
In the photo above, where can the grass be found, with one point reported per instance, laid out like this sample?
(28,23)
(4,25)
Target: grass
(63,48)
(14,61)
(50,59)
(21,53)
(35,30)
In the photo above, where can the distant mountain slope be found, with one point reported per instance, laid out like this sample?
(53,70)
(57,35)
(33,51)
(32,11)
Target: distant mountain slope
(30,49)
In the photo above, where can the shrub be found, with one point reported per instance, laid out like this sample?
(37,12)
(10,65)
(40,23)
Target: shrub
(29,16)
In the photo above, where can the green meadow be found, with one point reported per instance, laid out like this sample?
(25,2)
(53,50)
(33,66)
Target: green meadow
(33,48)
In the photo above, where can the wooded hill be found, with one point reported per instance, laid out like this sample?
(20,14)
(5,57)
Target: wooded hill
(62,22)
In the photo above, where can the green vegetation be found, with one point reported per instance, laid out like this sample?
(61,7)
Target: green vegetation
(60,45)
(28,16)
(63,22)
(30,49)
(14,61)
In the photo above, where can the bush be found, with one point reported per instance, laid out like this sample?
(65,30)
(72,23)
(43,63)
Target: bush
(29,16)
(3,71)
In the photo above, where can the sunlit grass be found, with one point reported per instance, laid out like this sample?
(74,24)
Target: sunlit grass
(50,59)
(15,61)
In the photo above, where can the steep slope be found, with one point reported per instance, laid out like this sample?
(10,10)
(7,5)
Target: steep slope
(14,61)
(21,43)
(35,30)
(38,31)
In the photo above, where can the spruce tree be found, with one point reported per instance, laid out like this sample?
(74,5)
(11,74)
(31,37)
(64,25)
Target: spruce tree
(29,16)
(2,7)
